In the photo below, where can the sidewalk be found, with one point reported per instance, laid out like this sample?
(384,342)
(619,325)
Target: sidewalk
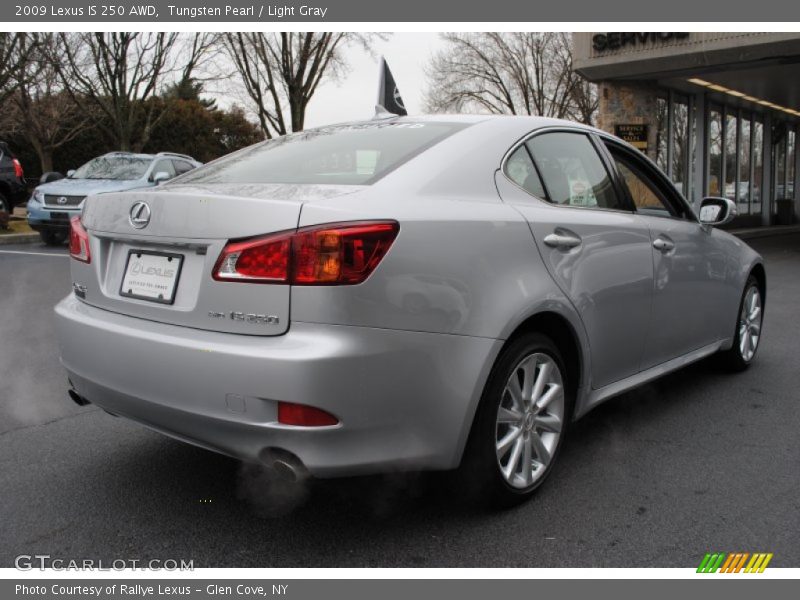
(751,233)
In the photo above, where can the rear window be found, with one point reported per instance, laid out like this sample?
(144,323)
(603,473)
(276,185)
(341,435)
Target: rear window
(355,154)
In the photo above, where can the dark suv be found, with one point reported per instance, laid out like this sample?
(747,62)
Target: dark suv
(12,181)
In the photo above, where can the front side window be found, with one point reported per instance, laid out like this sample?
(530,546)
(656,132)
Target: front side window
(163,166)
(181,166)
(118,167)
(645,194)
(356,154)
(572,171)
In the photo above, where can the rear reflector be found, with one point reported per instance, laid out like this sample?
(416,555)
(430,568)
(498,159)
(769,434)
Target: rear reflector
(304,416)
(79,241)
(335,254)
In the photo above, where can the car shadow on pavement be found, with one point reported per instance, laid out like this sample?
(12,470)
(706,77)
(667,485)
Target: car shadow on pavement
(171,469)
(193,501)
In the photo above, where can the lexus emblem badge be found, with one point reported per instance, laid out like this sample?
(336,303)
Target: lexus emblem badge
(139,215)
(61,200)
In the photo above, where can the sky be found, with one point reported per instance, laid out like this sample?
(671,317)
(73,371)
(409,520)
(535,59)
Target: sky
(354,96)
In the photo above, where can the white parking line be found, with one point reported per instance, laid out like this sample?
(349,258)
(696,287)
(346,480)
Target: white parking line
(33,253)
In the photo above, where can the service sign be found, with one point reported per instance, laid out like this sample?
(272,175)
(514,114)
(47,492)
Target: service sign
(634,134)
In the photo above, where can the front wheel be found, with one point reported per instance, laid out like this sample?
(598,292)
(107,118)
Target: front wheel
(748,328)
(520,424)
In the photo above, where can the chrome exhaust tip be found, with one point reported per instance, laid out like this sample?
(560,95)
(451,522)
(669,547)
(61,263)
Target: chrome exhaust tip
(284,464)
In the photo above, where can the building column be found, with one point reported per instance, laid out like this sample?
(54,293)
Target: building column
(629,103)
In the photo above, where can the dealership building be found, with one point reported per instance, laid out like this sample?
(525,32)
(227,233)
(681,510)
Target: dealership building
(718,112)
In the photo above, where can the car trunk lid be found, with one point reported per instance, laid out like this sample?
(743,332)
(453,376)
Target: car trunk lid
(165,242)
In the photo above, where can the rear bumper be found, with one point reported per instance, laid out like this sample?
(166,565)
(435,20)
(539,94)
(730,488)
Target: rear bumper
(405,400)
(15,191)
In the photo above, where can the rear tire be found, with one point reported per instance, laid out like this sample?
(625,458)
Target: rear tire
(749,323)
(53,237)
(520,423)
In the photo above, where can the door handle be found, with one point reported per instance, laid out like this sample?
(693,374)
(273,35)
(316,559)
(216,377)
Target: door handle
(562,240)
(663,245)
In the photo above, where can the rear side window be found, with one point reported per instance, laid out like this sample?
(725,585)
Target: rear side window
(572,171)
(519,168)
(349,154)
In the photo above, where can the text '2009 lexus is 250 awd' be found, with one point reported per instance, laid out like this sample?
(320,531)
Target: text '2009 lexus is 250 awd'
(424,293)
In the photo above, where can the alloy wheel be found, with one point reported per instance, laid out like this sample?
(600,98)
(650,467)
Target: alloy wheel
(750,324)
(529,420)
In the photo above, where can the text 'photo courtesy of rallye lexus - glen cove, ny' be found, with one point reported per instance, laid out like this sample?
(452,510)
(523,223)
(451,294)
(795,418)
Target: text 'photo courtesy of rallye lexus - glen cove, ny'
(440,293)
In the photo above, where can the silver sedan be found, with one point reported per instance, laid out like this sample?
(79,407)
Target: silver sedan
(402,293)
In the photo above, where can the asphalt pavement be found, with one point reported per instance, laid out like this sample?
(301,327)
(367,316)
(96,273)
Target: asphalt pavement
(698,461)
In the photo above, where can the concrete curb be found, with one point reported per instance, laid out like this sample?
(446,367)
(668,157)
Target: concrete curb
(762,232)
(19,238)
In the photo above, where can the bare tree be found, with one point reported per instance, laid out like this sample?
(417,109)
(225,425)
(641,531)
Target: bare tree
(509,73)
(282,71)
(116,75)
(13,56)
(40,110)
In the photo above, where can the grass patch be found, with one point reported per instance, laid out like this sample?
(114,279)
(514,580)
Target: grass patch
(16,227)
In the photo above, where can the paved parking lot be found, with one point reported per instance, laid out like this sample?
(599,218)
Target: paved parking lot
(698,461)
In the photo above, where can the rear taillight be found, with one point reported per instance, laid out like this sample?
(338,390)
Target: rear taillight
(79,241)
(18,172)
(304,416)
(337,254)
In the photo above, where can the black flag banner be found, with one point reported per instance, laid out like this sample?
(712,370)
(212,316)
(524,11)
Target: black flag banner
(388,95)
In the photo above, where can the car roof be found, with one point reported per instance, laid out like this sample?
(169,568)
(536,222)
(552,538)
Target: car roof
(527,123)
(142,155)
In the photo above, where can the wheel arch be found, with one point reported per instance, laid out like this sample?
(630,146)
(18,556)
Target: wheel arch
(564,334)
(559,329)
(758,271)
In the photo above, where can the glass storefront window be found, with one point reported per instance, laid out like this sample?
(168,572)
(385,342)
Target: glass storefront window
(758,166)
(743,188)
(790,164)
(662,133)
(680,146)
(692,151)
(715,152)
(779,156)
(730,156)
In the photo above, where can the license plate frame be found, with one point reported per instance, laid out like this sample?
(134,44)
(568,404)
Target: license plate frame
(168,296)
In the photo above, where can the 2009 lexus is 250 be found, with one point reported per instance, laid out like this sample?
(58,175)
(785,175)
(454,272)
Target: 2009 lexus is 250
(425,293)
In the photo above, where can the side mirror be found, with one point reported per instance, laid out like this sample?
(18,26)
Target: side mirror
(161,177)
(50,176)
(717,211)
(70,173)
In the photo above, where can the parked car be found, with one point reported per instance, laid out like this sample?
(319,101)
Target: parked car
(403,293)
(12,180)
(53,204)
